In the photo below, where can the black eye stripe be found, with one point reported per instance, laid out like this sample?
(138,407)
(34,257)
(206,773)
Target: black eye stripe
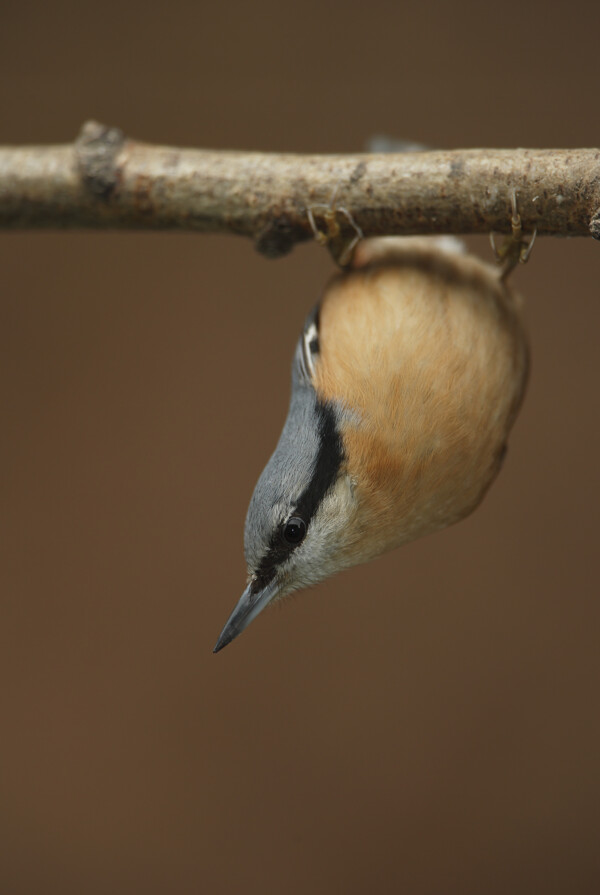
(329,458)
(327,463)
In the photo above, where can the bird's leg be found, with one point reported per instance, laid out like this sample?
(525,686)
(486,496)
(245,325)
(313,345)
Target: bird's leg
(332,236)
(515,249)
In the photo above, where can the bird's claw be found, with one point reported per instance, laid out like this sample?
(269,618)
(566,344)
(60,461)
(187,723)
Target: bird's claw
(332,236)
(515,249)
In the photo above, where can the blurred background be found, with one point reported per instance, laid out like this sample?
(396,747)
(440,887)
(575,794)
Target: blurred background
(428,724)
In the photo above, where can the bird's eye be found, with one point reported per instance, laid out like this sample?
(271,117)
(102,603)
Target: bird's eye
(294,530)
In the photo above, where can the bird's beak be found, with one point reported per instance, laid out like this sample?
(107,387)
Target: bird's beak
(248,607)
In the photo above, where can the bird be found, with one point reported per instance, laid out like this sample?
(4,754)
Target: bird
(406,381)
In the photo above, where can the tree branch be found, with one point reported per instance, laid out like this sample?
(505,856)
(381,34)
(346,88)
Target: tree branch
(104,180)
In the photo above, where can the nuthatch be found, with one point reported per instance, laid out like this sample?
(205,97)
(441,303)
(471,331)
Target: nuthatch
(406,380)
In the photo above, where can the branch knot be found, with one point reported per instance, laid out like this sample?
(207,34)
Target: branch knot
(96,148)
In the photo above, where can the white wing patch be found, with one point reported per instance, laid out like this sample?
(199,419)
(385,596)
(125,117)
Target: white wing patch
(310,347)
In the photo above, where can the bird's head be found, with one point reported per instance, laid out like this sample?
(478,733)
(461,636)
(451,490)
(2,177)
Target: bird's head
(300,519)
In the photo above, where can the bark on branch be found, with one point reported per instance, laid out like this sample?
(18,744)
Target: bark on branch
(104,180)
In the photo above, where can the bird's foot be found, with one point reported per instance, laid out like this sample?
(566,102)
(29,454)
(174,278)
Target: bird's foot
(332,234)
(515,249)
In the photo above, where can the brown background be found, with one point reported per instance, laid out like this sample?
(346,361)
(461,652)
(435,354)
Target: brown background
(427,724)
